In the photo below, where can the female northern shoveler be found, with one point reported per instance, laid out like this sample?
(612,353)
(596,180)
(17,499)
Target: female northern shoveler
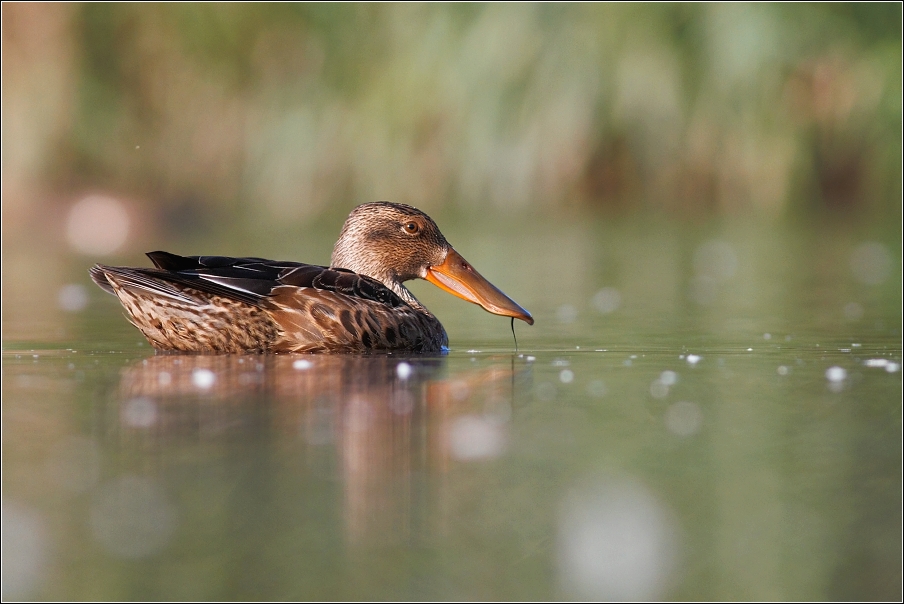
(357,304)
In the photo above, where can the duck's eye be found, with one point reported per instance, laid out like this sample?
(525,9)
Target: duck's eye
(411,227)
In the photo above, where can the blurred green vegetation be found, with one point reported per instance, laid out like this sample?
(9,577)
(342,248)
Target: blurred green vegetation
(272,114)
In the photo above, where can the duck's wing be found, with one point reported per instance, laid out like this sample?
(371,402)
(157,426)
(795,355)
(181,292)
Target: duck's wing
(249,280)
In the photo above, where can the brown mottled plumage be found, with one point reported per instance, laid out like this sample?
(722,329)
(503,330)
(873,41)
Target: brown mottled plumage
(358,304)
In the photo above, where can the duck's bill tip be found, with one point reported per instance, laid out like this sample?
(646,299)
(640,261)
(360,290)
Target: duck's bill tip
(456,276)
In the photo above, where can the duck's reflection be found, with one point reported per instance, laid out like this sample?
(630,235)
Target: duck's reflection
(395,424)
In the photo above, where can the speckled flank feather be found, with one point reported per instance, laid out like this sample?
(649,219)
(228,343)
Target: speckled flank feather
(193,321)
(323,321)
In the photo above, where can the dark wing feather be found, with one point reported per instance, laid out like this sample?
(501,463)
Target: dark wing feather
(250,280)
(137,278)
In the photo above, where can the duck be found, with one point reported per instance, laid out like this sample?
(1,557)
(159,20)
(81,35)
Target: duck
(357,304)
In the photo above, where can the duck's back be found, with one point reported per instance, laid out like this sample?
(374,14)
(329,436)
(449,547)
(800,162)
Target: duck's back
(233,305)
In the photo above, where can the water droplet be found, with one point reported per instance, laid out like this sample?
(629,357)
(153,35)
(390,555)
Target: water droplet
(72,297)
(472,438)
(836,374)
(203,378)
(404,371)
(607,300)
(139,412)
(615,542)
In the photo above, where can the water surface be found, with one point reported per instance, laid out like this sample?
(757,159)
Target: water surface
(680,424)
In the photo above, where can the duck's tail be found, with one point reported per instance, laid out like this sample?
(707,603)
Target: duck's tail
(100,277)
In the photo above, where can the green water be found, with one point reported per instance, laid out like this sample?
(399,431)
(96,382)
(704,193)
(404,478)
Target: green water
(679,424)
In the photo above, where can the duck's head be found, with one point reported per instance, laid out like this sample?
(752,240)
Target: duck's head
(393,243)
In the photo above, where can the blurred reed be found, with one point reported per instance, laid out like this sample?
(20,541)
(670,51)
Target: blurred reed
(275,113)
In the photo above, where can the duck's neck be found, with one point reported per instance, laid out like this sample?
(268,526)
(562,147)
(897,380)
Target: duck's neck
(405,294)
(381,275)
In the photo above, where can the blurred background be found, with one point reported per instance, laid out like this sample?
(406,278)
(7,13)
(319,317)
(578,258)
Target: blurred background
(203,113)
